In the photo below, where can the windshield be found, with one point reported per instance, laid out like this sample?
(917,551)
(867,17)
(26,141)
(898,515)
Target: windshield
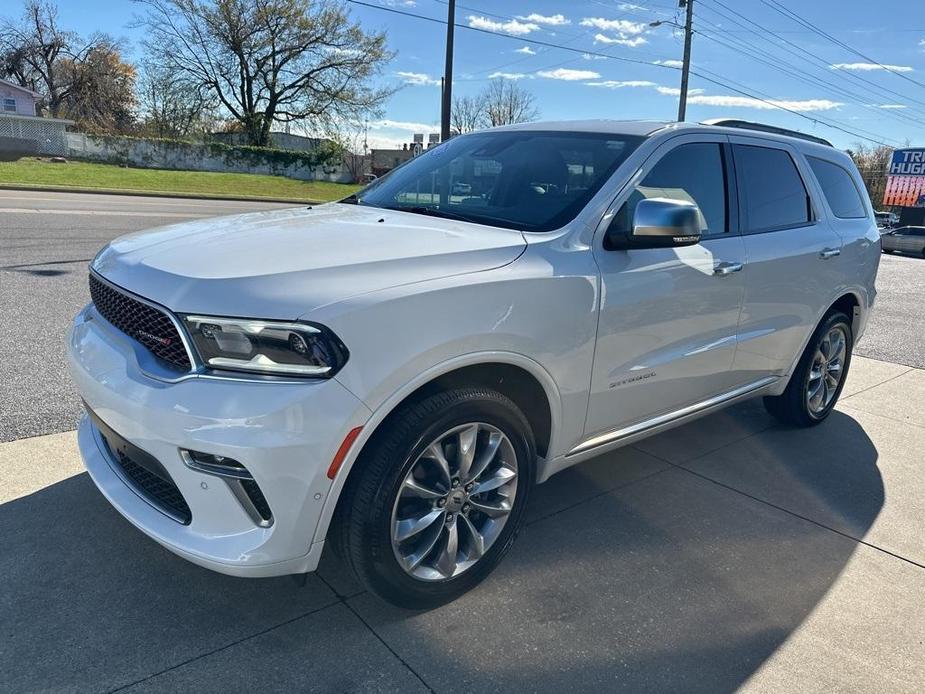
(527,180)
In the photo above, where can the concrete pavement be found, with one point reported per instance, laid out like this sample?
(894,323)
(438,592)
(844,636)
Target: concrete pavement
(730,553)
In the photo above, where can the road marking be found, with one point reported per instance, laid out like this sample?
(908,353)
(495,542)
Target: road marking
(101,213)
(156,202)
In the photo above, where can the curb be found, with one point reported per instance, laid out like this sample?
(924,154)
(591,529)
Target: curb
(155,194)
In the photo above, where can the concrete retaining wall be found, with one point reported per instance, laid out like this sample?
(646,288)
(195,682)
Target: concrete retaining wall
(187,156)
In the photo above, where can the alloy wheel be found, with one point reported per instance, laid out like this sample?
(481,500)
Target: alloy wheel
(454,502)
(827,370)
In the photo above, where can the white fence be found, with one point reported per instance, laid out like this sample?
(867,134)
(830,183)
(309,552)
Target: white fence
(29,134)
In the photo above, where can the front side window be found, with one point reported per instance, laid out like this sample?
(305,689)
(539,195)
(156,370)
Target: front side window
(526,180)
(9,104)
(839,189)
(692,173)
(771,191)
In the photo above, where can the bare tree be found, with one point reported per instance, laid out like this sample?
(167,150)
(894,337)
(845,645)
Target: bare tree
(872,162)
(349,138)
(269,61)
(468,114)
(507,102)
(173,107)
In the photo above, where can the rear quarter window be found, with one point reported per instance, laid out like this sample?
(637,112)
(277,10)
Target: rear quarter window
(839,189)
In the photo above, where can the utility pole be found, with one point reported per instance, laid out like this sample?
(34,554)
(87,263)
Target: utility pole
(686,68)
(448,73)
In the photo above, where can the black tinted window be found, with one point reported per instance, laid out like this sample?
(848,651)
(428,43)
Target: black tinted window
(693,173)
(772,192)
(530,180)
(839,189)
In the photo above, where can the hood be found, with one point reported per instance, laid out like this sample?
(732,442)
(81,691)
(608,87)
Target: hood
(285,263)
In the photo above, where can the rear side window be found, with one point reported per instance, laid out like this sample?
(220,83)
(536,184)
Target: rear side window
(839,189)
(772,193)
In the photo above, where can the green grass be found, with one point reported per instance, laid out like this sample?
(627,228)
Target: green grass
(30,172)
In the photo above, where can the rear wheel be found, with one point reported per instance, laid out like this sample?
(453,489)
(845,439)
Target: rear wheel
(819,377)
(438,497)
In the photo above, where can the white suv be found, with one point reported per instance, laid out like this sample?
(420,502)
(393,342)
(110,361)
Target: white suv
(395,371)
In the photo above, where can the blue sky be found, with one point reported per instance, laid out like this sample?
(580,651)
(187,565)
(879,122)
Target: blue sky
(827,82)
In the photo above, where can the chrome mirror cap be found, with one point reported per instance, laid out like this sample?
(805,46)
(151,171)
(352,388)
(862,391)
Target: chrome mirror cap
(665,217)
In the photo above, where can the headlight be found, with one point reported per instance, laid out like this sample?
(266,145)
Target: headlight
(266,347)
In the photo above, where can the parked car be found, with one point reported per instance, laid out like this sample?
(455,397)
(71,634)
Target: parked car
(460,188)
(886,220)
(391,374)
(905,240)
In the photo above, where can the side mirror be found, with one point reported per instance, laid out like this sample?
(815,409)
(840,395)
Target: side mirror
(658,223)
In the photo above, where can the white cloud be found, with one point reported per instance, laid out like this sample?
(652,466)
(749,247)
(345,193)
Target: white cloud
(418,79)
(555,20)
(669,63)
(675,91)
(591,56)
(868,67)
(508,75)
(398,3)
(629,7)
(620,40)
(569,75)
(623,26)
(407,126)
(891,106)
(749,102)
(620,84)
(526,50)
(513,27)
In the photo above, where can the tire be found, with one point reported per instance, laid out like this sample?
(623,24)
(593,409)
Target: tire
(399,464)
(795,406)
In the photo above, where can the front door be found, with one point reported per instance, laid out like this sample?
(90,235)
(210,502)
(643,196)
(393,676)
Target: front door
(668,317)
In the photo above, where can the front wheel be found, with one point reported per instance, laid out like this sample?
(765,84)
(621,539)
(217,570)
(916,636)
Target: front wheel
(437,497)
(819,377)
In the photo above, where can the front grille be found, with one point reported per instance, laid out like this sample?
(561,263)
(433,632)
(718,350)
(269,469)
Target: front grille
(150,326)
(161,492)
(144,473)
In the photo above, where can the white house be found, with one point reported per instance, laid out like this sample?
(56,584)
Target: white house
(16,99)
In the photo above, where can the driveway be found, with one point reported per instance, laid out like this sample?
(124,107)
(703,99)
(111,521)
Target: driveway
(731,553)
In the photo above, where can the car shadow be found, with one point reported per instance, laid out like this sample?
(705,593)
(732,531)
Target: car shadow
(633,574)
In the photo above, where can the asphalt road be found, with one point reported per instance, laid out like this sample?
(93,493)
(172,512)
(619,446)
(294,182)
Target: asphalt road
(46,242)
(47,239)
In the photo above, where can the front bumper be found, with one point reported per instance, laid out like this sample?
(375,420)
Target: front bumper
(284,433)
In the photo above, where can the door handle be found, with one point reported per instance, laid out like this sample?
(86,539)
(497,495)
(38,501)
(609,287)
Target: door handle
(727,268)
(827,253)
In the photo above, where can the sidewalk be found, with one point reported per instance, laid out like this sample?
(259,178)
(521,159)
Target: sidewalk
(730,553)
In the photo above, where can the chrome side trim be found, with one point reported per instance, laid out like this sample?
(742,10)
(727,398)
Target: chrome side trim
(624,432)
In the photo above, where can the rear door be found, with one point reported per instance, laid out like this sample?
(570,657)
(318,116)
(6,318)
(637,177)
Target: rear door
(793,255)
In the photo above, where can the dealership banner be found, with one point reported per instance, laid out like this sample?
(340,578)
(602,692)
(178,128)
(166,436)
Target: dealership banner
(905,183)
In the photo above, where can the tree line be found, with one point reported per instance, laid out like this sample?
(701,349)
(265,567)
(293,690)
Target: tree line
(242,66)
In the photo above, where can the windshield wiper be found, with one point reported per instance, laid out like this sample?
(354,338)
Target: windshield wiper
(351,199)
(434,212)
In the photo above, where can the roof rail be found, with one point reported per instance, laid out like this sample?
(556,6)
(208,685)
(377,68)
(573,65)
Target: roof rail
(762,127)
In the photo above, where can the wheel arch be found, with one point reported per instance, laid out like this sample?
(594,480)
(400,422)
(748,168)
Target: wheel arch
(850,302)
(516,376)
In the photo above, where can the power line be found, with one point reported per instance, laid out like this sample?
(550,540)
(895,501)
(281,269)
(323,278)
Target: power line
(804,55)
(780,9)
(548,44)
(794,71)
